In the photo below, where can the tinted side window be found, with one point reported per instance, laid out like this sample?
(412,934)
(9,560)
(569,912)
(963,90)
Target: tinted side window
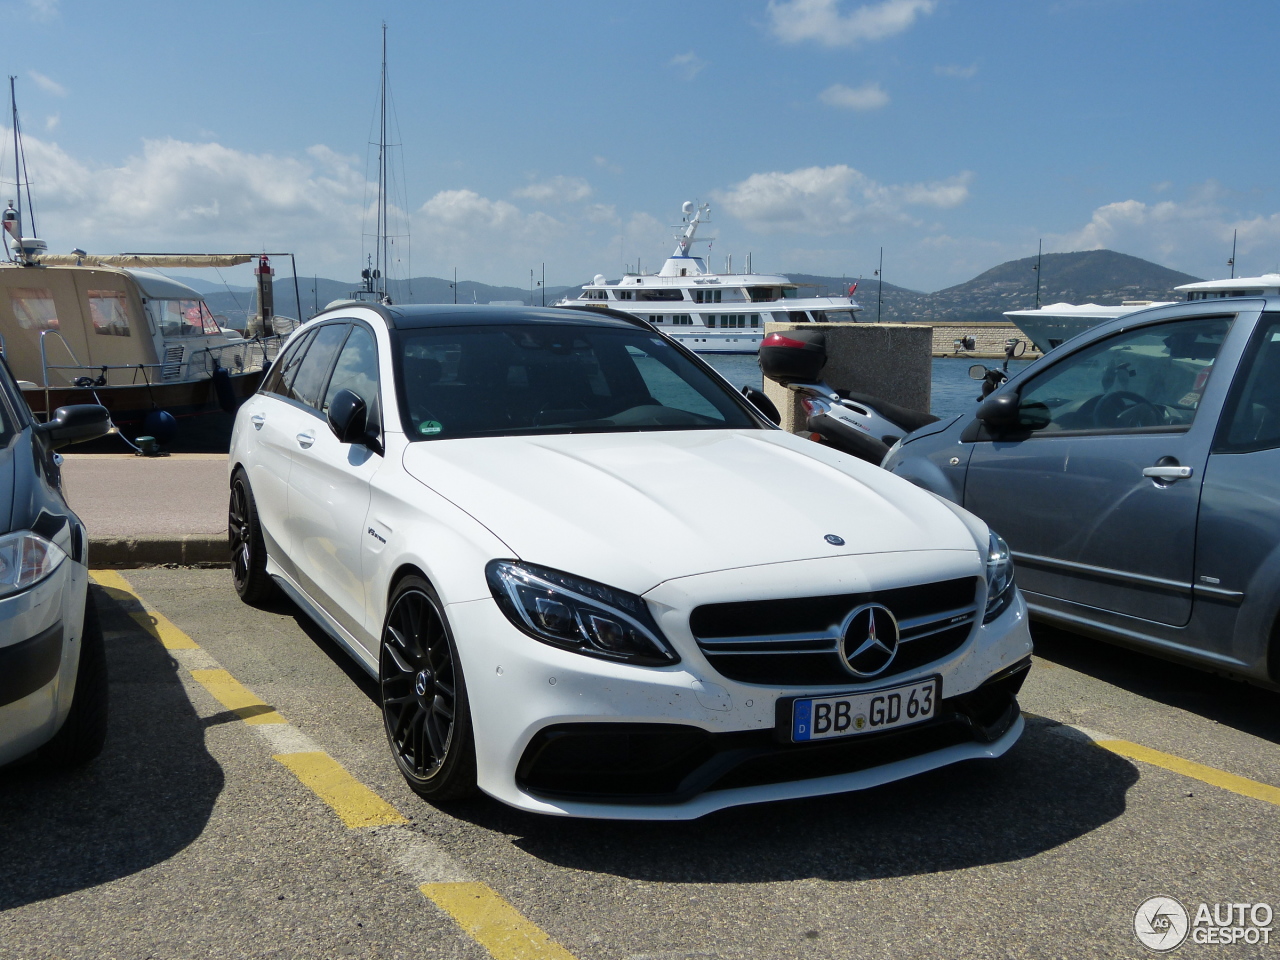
(314,371)
(286,366)
(356,370)
(1251,420)
(1150,378)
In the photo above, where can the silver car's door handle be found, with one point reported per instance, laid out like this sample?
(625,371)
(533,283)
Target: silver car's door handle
(305,439)
(1168,473)
(257,420)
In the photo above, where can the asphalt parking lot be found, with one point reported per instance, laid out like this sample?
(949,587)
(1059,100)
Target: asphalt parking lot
(247,806)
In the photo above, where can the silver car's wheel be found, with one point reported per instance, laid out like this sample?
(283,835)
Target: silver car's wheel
(424,698)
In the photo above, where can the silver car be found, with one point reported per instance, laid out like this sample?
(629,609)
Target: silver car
(1135,472)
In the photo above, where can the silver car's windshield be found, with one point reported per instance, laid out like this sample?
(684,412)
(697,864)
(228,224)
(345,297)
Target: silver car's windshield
(549,378)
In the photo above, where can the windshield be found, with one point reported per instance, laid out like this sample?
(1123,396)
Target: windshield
(544,378)
(182,318)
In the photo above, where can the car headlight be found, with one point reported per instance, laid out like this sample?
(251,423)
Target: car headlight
(578,615)
(26,558)
(999,577)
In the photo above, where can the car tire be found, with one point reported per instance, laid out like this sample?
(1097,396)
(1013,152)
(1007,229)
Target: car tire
(248,548)
(84,732)
(425,710)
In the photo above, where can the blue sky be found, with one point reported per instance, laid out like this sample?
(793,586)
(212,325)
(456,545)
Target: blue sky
(954,133)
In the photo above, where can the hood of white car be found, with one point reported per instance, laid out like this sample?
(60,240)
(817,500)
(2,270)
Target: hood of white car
(636,509)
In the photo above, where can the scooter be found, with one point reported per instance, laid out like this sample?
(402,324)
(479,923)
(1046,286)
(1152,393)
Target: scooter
(1014,347)
(856,423)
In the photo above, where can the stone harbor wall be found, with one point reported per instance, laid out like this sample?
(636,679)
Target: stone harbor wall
(988,339)
(892,361)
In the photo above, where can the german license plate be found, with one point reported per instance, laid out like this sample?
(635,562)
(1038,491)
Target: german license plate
(849,714)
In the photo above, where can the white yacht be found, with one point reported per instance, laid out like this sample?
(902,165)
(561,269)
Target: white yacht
(711,312)
(1053,325)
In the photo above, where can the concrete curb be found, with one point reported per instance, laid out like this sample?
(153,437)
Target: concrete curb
(187,550)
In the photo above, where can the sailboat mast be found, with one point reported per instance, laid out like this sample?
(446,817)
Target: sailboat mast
(17,163)
(382,168)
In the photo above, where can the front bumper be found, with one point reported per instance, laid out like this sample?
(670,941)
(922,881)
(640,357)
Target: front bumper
(39,651)
(685,741)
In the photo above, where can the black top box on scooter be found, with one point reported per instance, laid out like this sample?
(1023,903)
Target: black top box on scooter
(794,356)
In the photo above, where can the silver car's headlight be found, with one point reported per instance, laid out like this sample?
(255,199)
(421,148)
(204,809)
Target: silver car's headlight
(1000,589)
(578,615)
(26,558)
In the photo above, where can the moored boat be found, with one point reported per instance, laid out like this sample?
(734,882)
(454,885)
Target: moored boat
(141,344)
(710,312)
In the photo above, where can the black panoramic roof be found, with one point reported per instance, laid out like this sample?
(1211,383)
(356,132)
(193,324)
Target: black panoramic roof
(413,316)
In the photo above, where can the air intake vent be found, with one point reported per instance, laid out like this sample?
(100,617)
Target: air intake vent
(171,368)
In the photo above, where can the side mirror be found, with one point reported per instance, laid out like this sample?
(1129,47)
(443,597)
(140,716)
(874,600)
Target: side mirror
(977,372)
(999,412)
(348,417)
(81,421)
(763,404)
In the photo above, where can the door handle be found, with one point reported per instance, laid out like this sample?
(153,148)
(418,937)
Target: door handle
(257,420)
(1168,473)
(305,439)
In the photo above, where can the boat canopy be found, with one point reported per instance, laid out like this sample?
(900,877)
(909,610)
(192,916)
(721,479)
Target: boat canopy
(141,260)
(157,287)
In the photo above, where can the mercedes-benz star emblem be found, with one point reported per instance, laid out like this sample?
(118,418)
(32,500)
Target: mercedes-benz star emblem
(420,683)
(869,640)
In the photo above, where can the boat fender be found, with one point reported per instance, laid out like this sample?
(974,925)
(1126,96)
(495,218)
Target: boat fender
(222,387)
(161,425)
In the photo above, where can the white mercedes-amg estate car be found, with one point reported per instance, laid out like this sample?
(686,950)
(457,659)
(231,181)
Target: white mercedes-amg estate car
(593,580)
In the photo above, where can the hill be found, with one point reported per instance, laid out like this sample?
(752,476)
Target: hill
(1091,276)
(235,303)
(1097,276)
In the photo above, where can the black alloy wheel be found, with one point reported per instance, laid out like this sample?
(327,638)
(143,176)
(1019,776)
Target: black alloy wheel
(248,549)
(424,697)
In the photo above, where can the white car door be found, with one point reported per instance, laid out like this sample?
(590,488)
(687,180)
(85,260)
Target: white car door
(274,421)
(329,492)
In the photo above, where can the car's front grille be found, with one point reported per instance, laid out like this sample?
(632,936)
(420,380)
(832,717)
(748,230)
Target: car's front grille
(796,642)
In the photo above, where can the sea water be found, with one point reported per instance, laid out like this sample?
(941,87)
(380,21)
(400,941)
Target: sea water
(952,391)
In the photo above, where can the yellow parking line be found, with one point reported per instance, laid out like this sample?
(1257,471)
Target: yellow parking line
(235,696)
(493,923)
(158,625)
(476,907)
(1198,771)
(152,621)
(356,804)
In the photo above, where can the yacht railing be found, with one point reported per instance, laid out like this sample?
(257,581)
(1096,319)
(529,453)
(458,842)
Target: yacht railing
(244,355)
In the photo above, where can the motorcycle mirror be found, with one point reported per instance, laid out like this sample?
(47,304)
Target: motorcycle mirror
(763,404)
(977,372)
(999,411)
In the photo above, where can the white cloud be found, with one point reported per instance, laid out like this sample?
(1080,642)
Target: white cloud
(181,196)
(51,122)
(689,64)
(555,190)
(822,21)
(963,73)
(606,164)
(869,96)
(483,236)
(601,213)
(42,11)
(1193,235)
(47,84)
(824,200)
